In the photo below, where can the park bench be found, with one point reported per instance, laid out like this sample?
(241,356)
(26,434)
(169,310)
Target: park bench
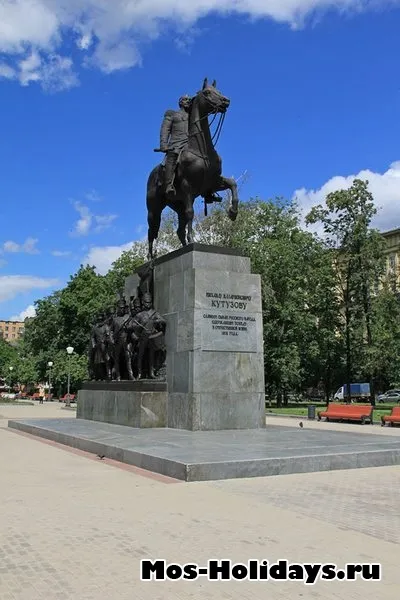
(393,418)
(37,396)
(348,412)
(65,398)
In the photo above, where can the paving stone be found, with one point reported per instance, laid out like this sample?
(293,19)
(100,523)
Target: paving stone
(92,521)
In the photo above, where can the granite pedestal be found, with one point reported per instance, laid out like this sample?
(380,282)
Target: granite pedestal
(215,370)
(216,455)
(130,403)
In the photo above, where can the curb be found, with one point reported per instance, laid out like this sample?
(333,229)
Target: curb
(305,418)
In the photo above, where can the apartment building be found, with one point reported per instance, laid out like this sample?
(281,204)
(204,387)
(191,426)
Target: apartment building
(11,331)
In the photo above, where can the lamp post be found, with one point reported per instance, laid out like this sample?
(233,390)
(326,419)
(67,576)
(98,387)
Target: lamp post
(9,387)
(50,364)
(69,352)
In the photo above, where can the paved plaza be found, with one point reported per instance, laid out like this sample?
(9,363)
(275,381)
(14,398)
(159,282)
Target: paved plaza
(73,526)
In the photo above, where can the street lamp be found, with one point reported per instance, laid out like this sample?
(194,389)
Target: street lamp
(50,364)
(11,370)
(69,352)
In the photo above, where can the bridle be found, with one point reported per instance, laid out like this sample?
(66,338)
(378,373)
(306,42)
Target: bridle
(217,133)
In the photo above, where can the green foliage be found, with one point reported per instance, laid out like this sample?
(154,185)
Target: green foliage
(78,366)
(27,371)
(125,265)
(8,357)
(85,295)
(357,256)
(323,325)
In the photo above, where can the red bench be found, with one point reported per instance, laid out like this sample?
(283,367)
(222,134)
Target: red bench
(65,398)
(348,412)
(393,418)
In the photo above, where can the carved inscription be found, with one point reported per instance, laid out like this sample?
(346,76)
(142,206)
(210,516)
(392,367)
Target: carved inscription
(229,331)
(229,324)
(228,301)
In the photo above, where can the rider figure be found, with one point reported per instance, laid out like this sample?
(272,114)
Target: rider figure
(174,136)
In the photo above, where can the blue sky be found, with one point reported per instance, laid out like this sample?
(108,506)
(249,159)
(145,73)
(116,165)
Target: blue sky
(315,101)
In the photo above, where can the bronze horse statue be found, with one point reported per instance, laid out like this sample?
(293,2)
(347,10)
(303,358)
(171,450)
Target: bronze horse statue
(199,171)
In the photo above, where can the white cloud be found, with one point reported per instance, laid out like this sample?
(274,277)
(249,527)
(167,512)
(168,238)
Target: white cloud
(83,224)
(87,220)
(6,71)
(93,196)
(385,188)
(28,247)
(104,222)
(29,312)
(108,32)
(54,72)
(61,253)
(102,257)
(13,285)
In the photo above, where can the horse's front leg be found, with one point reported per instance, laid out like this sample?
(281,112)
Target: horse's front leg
(188,200)
(189,218)
(181,231)
(228,183)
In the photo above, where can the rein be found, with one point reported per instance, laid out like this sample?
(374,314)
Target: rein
(215,137)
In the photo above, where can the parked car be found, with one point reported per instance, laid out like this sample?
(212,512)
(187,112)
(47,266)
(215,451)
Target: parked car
(389,396)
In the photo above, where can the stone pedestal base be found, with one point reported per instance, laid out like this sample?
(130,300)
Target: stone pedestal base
(135,404)
(214,339)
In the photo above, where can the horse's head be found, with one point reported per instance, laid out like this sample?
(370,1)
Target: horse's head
(211,99)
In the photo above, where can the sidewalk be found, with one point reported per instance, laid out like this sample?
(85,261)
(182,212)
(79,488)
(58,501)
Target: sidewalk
(73,526)
(294,421)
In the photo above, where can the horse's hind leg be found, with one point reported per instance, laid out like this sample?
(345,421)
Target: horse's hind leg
(154,221)
(155,205)
(228,183)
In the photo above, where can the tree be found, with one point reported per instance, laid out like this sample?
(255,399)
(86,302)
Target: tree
(43,331)
(125,265)
(83,298)
(27,372)
(77,365)
(385,353)
(357,255)
(8,358)
(285,257)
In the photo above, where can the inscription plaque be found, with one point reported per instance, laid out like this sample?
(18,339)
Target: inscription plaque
(227,325)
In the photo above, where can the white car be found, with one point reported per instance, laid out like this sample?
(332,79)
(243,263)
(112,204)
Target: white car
(389,396)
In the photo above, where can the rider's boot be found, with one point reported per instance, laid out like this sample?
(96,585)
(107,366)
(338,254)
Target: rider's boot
(170,166)
(210,198)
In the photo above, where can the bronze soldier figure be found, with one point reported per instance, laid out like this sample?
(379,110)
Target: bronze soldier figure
(152,330)
(99,353)
(121,347)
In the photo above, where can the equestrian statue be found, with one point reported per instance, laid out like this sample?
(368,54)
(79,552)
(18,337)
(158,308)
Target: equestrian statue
(192,166)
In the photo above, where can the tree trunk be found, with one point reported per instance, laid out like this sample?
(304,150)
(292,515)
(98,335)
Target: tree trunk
(346,392)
